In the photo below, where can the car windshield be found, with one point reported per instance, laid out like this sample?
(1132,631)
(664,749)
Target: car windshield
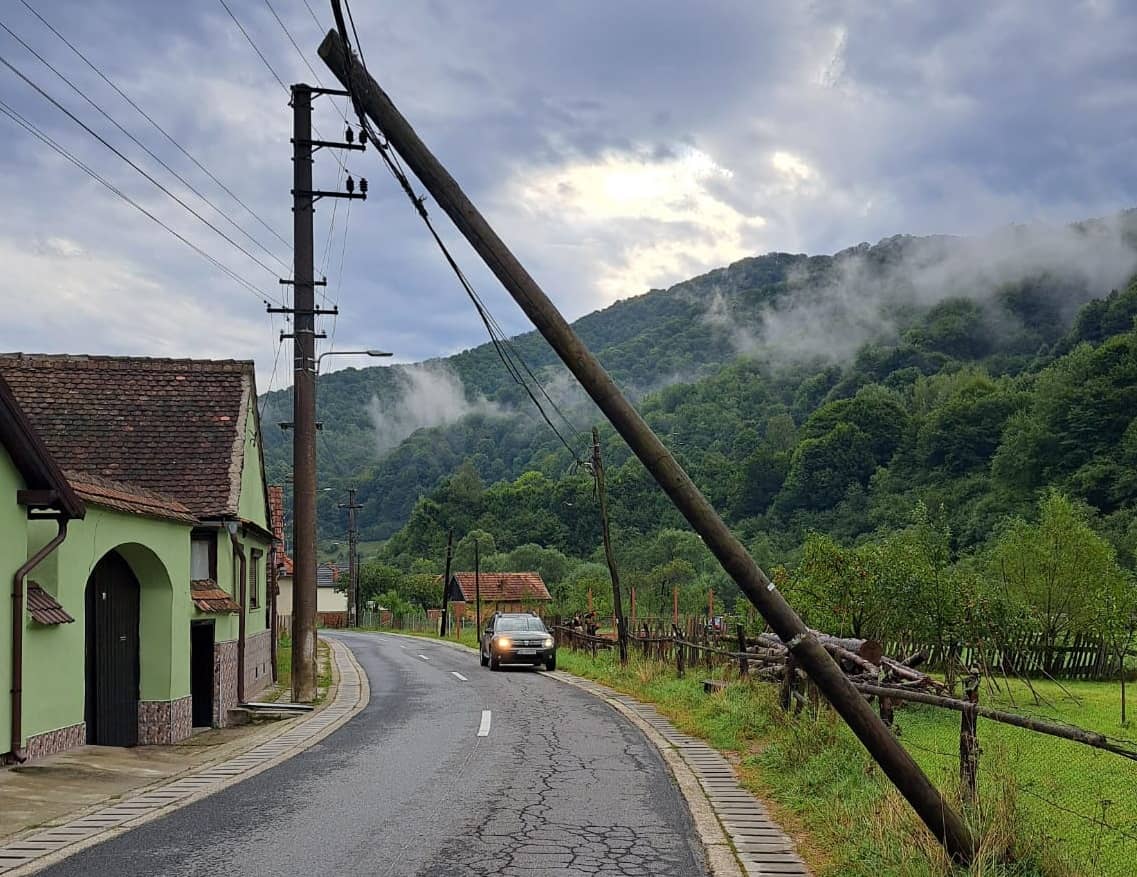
(504,624)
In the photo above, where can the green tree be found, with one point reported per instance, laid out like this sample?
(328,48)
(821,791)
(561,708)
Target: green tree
(1060,568)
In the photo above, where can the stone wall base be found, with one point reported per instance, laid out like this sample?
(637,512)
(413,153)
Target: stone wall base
(258,663)
(164,721)
(224,682)
(59,740)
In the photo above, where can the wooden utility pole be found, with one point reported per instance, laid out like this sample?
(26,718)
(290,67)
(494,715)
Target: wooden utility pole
(478,588)
(352,558)
(445,622)
(304,364)
(941,819)
(303,405)
(609,555)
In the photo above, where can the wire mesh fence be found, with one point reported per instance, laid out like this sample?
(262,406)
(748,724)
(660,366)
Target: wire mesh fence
(1070,799)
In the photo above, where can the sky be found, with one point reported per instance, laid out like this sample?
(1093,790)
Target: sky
(615,146)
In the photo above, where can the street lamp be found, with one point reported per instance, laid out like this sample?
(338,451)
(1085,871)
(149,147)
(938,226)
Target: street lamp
(352,558)
(375,353)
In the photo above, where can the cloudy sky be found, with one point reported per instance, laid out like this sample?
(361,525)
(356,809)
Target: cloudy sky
(617,146)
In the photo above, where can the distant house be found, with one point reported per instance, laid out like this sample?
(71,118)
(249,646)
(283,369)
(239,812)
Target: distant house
(281,560)
(331,599)
(331,596)
(134,518)
(500,592)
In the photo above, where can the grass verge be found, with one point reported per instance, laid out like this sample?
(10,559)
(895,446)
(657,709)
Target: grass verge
(284,669)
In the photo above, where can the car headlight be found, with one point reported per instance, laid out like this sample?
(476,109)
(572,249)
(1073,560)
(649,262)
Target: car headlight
(548,642)
(503,642)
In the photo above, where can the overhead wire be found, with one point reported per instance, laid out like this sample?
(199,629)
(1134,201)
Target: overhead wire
(228,191)
(140,144)
(44,138)
(91,131)
(256,49)
(515,364)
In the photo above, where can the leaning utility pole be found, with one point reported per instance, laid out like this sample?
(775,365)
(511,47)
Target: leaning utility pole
(609,555)
(940,818)
(303,424)
(352,558)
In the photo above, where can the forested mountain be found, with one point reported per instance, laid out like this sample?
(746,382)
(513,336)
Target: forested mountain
(803,392)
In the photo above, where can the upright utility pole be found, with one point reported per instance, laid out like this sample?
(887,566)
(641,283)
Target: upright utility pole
(303,404)
(445,622)
(478,588)
(609,555)
(352,558)
(936,813)
(303,424)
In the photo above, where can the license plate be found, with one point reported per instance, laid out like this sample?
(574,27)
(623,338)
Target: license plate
(526,651)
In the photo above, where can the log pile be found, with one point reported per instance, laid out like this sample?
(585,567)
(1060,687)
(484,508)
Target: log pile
(861,659)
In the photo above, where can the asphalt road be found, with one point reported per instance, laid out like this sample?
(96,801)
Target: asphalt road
(560,784)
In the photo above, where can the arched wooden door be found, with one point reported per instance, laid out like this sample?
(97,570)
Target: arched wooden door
(112,653)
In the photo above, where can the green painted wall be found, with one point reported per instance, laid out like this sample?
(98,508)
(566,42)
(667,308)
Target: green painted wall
(13,552)
(251,506)
(158,553)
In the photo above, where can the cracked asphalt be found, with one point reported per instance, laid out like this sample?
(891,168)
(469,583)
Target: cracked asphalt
(562,785)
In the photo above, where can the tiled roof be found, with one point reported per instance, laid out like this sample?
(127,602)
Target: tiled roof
(208,597)
(173,426)
(38,469)
(44,608)
(276,511)
(127,498)
(276,514)
(502,586)
(327,574)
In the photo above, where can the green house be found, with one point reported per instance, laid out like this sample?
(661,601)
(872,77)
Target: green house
(134,535)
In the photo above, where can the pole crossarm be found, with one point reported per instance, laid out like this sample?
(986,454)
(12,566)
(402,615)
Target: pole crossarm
(941,819)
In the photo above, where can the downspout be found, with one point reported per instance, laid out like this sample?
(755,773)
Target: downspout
(239,553)
(17,753)
(274,587)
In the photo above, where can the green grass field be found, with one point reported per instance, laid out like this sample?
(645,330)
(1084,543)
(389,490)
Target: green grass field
(1040,803)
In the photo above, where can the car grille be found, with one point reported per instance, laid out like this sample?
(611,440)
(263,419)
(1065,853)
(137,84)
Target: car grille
(529,643)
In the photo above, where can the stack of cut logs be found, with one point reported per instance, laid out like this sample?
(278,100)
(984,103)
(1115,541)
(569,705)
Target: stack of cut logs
(861,659)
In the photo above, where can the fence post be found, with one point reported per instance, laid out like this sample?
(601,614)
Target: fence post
(743,663)
(786,698)
(968,740)
(678,651)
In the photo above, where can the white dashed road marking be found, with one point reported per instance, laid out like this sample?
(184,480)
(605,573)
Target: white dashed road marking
(459,675)
(484,728)
(424,657)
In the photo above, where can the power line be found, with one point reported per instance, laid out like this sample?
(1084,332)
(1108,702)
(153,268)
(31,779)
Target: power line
(287,90)
(319,26)
(160,129)
(48,141)
(512,360)
(125,158)
(140,144)
(260,54)
(288,34)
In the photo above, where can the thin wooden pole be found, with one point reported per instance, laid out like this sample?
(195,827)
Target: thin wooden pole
(609,555)
(674,604)
(445,628)
(940,818)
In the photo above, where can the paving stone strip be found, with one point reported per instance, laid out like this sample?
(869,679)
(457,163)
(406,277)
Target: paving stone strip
(761,845)
(38,848)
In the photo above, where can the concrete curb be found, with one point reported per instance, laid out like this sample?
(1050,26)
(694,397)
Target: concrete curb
(43,847)
(738,837)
